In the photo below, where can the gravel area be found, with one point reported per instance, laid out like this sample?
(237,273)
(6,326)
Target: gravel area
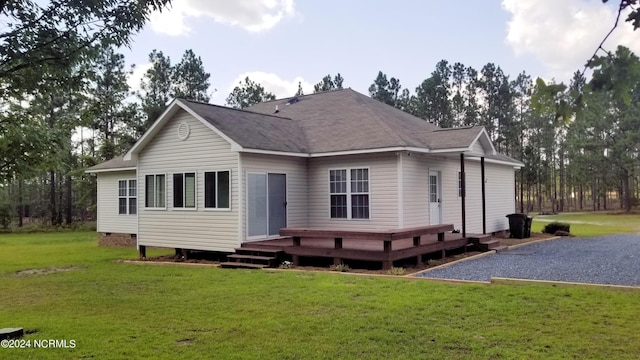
(613,260)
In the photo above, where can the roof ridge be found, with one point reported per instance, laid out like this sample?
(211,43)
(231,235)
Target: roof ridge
(234,109)
(379,119)
(307,95)
(458,128)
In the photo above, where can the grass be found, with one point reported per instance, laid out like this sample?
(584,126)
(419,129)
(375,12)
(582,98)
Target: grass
(117,310)
(592,224)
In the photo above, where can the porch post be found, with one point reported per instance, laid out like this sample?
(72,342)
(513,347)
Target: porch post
(464,194)
(484,207)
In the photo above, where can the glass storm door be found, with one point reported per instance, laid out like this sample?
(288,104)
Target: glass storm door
(435,202)
(266,207)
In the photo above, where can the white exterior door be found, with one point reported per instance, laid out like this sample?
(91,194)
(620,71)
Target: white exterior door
(435,198)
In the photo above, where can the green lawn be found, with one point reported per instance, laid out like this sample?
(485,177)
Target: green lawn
(124,311)
(592,224)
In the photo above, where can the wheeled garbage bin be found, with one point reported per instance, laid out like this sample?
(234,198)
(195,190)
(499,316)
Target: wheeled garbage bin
(517,223)
(527,227)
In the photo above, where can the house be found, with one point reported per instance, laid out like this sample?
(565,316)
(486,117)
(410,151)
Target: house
(207,177)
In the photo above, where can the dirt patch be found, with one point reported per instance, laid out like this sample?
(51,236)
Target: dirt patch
(184,342)
(46,271)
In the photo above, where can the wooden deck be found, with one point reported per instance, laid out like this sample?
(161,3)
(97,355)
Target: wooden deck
(379,246)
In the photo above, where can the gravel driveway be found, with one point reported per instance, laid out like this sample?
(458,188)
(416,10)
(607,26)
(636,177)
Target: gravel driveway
(611,260)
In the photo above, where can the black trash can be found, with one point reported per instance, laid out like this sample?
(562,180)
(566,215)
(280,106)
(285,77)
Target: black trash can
(527,227)
(517,223)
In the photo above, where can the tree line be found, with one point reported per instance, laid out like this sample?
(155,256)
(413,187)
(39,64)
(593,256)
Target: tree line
(579,142)
(60,74)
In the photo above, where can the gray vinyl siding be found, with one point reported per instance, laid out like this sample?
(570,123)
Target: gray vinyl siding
(499,192)
(199,229)
(477,148)
(450,202)
(501,199)
(383,193)
(108,218)
(295,169)
(415,188)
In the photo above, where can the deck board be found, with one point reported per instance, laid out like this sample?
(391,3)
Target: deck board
(359,247)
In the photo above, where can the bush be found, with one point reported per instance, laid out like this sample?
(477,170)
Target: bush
(551,228)
(341,267)
(5,215)
(396,271)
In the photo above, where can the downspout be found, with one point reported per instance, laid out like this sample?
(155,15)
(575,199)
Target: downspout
(464,194)
(484,206)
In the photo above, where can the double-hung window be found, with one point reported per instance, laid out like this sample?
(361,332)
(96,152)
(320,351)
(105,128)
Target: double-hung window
(349,193)
(154,196)
(127,197)
(184,190)
(216,189)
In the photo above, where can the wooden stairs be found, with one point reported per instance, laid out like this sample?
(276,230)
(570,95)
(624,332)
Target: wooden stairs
(253,258)
(486,243)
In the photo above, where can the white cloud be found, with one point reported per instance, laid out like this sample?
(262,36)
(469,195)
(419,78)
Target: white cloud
(251,15)
(564,34)
(274,84)
(133,80)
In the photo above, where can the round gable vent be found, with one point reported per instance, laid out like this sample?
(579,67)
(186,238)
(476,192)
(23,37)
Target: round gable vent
(183,131)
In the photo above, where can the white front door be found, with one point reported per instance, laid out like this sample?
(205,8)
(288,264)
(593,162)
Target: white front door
(435,202)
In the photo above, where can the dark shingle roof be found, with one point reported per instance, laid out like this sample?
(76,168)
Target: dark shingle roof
(114,164)
(332,121)
(252,130)
(346,120)
(453,138)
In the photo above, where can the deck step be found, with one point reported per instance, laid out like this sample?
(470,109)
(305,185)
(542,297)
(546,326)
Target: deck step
(251,257)
(486,245)
(257,249)
(241,265)
(501,248)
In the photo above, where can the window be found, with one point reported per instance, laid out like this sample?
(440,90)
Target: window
(154,196)
(216,189)
(460,188)
(127,197)
(184,190)
(349,193)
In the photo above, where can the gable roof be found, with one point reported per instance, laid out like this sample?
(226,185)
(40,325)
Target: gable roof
(116,164)
(323,124)
(345,120)
(252,130)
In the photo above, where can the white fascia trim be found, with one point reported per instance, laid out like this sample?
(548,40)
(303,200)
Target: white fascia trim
(150,130)
(239,148)
(370,151)
(207,124)
(494,161)
(486,134)
(453,150)
(110,170)
(166,115)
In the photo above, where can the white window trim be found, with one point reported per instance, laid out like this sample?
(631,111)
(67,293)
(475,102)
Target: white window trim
(166,198)
(127,196)
(348,193)
(184,208)
(217,209)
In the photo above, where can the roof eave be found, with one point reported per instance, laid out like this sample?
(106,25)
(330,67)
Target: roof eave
(110,170)
(175,105)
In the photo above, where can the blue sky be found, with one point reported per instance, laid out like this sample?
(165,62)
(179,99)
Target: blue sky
(279,43)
